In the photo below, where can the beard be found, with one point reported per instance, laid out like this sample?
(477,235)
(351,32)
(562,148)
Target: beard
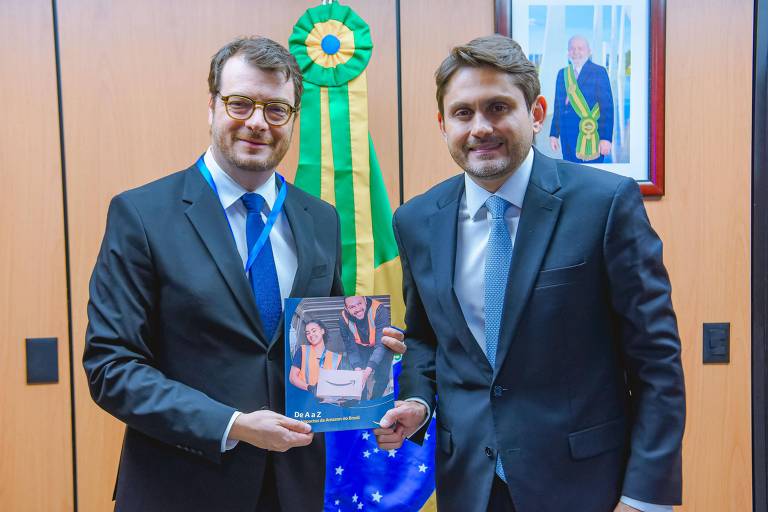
(495,168)
(491,168)
(244,161)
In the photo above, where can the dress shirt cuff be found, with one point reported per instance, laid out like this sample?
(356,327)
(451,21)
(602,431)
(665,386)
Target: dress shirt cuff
(227,443)
(645,507)
(429,413)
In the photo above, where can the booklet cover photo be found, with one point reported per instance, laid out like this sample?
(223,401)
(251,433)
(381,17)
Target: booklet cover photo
(339,374)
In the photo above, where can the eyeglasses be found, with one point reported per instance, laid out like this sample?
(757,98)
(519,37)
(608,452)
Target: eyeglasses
(241,108)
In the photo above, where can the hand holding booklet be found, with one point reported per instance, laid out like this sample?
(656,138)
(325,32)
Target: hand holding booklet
(338,371)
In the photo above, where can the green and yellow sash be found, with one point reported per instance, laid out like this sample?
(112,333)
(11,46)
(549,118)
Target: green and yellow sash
(588,141)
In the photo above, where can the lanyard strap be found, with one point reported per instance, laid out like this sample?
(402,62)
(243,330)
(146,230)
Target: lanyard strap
(254,251)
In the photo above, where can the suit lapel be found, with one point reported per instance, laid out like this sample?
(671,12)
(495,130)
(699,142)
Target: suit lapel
(443,226)
(302,228)
(541,210)
(209,220)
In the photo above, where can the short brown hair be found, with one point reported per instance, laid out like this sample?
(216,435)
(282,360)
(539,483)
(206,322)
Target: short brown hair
(262,53)
(496,51)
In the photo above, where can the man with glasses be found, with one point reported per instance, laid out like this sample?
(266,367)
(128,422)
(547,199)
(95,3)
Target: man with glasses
(184,339)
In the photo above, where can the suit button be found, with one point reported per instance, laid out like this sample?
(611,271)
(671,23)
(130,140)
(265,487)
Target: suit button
(489,452)
(498,390)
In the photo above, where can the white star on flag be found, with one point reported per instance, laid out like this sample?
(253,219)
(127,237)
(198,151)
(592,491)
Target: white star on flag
(376,497)
(392,452)
(359,506)
(366,454)
(375,450)
(426,436)
(366,435)
(354,498)
(336,502)
(339,470)
(422,468)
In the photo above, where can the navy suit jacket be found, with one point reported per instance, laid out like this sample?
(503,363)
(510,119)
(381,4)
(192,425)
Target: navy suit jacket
(596,87)
(174,346)
(587,400)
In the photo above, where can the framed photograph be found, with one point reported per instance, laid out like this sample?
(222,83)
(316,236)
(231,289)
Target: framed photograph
(338,372)
(601,67)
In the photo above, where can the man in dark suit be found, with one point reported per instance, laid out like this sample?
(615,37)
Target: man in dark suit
(538,311)
(582,121)
(184,342)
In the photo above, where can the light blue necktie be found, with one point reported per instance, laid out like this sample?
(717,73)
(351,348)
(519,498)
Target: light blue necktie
(263,274)
(498,257)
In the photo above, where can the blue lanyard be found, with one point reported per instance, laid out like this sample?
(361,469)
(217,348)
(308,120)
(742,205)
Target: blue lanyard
(254,251)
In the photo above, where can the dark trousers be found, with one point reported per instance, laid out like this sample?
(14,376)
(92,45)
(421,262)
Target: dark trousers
(268,500)
(500,500)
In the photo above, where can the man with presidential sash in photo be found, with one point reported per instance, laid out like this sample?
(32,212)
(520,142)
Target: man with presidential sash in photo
(582,123)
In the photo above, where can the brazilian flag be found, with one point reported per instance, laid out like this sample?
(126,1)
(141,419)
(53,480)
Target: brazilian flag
(337,163)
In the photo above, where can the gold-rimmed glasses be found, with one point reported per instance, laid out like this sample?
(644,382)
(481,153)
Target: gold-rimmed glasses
(241,108)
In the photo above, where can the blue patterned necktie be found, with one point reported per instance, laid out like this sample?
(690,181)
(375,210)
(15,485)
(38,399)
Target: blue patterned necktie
(263,274)
(498,257)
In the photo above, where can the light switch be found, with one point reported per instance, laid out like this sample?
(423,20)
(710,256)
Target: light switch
(42,360)
(717,343)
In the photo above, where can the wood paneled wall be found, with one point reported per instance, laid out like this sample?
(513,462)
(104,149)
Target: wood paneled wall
(35,420)
(134,100)
(704,221)
(429,29)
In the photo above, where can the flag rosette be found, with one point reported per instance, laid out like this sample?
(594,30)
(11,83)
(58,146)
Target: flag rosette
(332,45)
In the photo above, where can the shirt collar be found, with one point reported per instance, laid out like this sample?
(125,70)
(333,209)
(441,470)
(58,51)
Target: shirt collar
(231,191)
(513,190)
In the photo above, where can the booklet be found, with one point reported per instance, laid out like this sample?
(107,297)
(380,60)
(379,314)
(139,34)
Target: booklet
(338,373)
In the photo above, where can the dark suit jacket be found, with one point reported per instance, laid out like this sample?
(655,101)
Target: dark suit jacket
(596,87)
(174,346)
(587,400)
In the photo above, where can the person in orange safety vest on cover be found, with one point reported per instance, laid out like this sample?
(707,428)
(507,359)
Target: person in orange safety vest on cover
(312,356)
(362,321)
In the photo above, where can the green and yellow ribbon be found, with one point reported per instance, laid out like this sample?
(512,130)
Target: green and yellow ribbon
(337,160)
(587,142)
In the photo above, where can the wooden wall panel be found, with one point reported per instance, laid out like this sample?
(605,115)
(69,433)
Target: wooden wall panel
(704,221)
(429,29)
(135,108)
(35,420)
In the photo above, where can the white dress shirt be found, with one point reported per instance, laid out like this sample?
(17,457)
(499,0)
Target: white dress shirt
(471,239)
(280,237)
(472,234)
(473,230)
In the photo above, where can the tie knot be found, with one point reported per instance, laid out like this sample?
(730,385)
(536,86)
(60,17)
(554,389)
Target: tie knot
(496,206)
(253,202)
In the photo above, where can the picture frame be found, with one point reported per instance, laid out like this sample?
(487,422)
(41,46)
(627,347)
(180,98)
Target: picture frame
(626,43)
